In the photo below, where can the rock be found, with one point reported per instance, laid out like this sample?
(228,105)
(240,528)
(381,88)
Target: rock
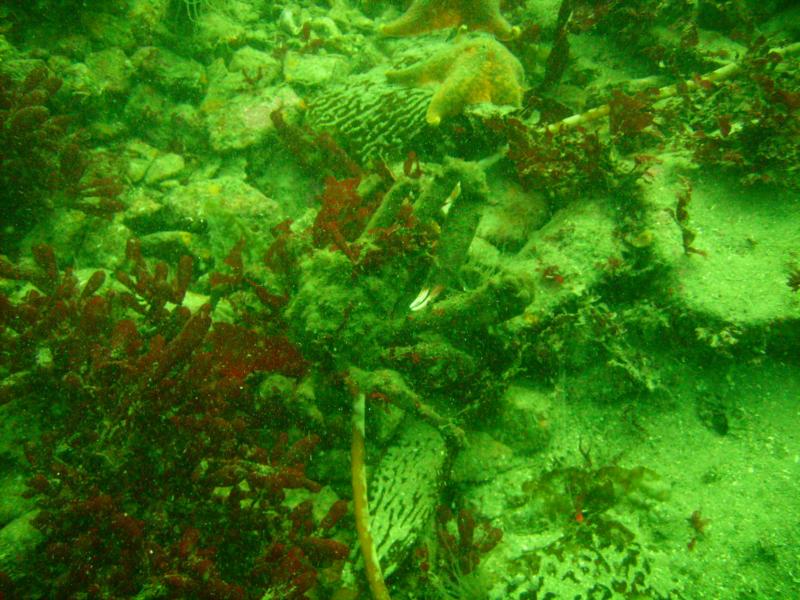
(166,166)
(85,239)
(148,108)
(76,46)
(256,64)
(101,243)
(229,209)
(106,131)
(80,82)
(516,213)
(292,18)
(501,495)
(144,213)
(524,419)
(180,77)
(326,28)
(149,14)
(348,17)
(215,30)
(314,69)
(108,30)
(168,246)
(558,263)
(6,49)
(12,504)
(140,156)
(19,68)
(749,237)
(482,459)
(235,120)
(187,127)
(15,467)
(17,540)
(111,69)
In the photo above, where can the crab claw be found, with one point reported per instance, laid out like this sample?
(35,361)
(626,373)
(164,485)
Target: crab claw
(425,296)
(448,202)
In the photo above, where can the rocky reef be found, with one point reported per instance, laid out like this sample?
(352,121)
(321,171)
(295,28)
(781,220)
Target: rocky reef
(439,299)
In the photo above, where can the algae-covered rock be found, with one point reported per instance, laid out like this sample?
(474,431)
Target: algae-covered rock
(230,209)
(332,316)
(524,419)
(112,70)
(14,467)
(168,245)
(86,239)
(481,460)
(19,68)
(80,81)
(148,14)
(176,75)
(314,69)
(513,216)
(166,166)
(435,363)
(258,65)
(6,49)
(140,156)
(240,100)
(17,540)
(12,487)
(148,108)
(107,29)
(244,120)
(216,32)
(559,261)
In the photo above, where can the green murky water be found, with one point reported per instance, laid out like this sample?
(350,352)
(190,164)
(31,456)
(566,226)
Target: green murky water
(367,299)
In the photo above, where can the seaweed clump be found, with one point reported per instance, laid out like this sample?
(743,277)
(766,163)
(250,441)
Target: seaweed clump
(749,127)
(449,566)
(42,157)
(162,471)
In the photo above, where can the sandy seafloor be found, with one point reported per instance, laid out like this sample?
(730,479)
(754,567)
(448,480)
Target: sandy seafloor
(631,424)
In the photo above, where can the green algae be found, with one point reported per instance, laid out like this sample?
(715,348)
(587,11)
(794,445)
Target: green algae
(610,303)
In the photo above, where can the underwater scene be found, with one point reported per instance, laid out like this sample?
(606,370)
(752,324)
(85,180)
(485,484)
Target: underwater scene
(408,299)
